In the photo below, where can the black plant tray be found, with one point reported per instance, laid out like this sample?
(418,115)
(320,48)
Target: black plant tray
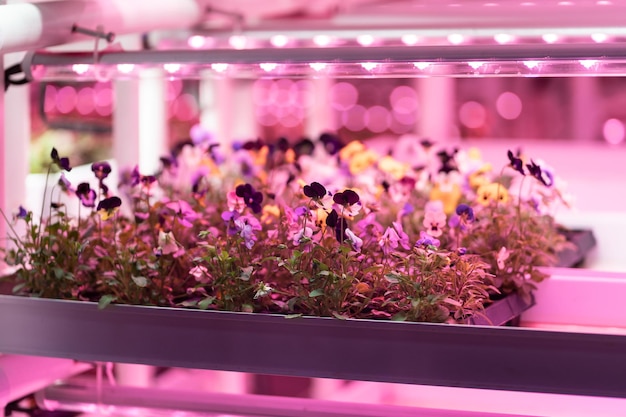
(583,240)
(505,311)
(505,358)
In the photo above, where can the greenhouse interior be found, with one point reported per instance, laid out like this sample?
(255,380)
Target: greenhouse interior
(340,208)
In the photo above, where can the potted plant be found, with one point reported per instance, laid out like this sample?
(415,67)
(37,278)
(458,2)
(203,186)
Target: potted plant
(318,228)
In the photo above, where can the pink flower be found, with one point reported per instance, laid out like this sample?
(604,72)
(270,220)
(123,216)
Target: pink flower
(434,222)
(389,241)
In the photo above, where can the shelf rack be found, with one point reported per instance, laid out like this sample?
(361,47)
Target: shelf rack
(501,358)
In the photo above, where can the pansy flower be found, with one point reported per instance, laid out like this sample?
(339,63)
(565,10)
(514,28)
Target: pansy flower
(108,207)
(434,222)
(427,240)
(86,195)
(101,170)
(262,289)
(167,243)
(63,163)
(389,241)
(201,274)
(302,234)
(503,255)
(355,241)
(315,191)
(22,213)
(492,192)
(65,184)
(247,226)
(516,163)
(332,144)
(350,202)
(250,196)
(465,212)
(183,212)
(544,177)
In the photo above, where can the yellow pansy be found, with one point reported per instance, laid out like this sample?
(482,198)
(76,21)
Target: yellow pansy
(479,177)
(448,195)
(362,161)
(270,213)
(492,192)
(393,167)
(351,149)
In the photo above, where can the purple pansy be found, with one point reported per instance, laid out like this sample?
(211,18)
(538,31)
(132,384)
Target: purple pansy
(86,195)
(250,196)
(63,163)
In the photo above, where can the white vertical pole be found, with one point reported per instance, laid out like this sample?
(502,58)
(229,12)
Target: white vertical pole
(153,132)
(3,169)
(584,112)
(319,118)
(436,104)
(140,121)
(243,126)
(216,108)
(17,133)
(126,123)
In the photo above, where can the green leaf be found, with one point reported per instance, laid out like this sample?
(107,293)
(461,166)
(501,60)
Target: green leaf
(339,316)
(247,308)
(206,303)
(140,281)
(392,278)
(401,316)
(105,300)
(452,301)
(58,273)
(316,293)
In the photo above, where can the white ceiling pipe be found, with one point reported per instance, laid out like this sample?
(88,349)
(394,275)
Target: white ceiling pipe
(27,26)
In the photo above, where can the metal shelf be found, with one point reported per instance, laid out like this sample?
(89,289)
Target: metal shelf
(502,358)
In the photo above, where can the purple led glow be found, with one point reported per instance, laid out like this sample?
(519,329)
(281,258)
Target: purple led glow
(369,66)
(410,39)
(279,41)
(509,105)
(456,39)
(185,107)
(50,98)
(377,119)
(80,69)
(403,100)
(475,64)
(588,63)
(322,40)
(354,119)
(472,114)
(318,66)
(66,99)
(550,38)
(531,64)
(268,66)
(172,67)
(125,68)
(614,131)
(599,37)
(196,41)
(421,65)
(85,103)
(217,67)
(343,96)
(503,38)
(238,41)
(365,40)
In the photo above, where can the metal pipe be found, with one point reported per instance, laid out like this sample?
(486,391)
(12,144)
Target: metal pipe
(23,375)
(128,399)
(28,26)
